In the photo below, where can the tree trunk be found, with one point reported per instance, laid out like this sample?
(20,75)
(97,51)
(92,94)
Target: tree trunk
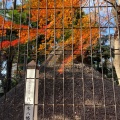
(9,71)
(1,77)
(116,60)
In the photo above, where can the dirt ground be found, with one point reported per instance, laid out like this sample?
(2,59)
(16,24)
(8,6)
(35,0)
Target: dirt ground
(81,93)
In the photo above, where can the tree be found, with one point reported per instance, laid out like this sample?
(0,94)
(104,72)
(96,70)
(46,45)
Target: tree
(101,58)
(33,27)
(116,60)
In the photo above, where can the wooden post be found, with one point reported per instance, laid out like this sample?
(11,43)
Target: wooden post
(31,92)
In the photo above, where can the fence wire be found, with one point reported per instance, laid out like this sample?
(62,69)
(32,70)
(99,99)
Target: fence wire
(75,46)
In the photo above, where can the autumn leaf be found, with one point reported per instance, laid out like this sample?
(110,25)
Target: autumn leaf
(59,22)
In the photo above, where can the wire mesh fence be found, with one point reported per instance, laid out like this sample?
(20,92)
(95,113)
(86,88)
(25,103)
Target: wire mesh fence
(72,46)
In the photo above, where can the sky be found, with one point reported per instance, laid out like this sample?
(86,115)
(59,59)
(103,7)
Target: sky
(9,3)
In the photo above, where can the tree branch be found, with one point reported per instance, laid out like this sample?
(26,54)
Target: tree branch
(110,3)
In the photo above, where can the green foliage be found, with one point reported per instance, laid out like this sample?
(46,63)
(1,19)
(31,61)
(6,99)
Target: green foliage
(78,15)
(18,16)
(101,58)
